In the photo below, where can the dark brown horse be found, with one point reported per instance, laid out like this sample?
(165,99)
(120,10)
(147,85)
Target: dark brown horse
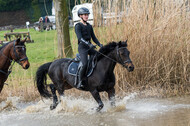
(14,51)
(102,79)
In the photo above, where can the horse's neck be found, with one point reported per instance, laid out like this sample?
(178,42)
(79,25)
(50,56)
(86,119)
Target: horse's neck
(5,58)
(108,64)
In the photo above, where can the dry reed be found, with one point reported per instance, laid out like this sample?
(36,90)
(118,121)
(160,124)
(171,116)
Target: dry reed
(158,36)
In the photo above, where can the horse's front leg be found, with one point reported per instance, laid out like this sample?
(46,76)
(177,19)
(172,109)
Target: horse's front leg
(96,96)
(111,96)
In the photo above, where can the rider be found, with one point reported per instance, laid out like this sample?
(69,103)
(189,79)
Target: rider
(84,32)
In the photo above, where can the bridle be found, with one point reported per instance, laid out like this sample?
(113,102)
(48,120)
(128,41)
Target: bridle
(121,62)
(18,60)
(120,59)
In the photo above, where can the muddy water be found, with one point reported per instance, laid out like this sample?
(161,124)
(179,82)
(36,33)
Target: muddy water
(129,111)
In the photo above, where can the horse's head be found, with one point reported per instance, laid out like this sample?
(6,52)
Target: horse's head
(123,56)
(19,53)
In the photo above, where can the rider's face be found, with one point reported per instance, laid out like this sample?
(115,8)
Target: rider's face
(85,17)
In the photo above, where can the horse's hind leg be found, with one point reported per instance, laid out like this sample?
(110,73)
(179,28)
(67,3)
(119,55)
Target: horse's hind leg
(55,101)
(111,96)
(59,86)
(96,96)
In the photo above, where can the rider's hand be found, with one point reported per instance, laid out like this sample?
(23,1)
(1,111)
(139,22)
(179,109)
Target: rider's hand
(101,45)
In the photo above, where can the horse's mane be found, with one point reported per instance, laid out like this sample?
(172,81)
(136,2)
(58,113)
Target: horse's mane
(4,45)
(110,47)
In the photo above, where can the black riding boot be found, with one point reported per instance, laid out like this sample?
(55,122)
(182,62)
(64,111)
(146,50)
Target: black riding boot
(82,72)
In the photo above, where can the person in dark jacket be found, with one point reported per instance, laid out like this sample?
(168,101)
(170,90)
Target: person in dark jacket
(46,20)
(85,33)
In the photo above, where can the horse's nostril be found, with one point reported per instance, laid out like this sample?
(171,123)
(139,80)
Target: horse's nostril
(131,68)
(27,66)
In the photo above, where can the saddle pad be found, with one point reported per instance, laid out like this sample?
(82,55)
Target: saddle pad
(73,68)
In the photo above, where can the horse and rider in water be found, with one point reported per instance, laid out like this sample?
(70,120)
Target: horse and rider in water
(101,79)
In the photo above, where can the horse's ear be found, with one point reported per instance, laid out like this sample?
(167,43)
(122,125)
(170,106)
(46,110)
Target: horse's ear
(126,41)
(17,41)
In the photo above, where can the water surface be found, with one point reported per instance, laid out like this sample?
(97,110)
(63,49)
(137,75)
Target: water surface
(129,111)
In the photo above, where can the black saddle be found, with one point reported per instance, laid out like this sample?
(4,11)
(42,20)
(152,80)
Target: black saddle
(76,64)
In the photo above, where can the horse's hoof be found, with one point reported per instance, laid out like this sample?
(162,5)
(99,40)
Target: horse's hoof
(113,105)
(96,109)
(53,106)
(99,108)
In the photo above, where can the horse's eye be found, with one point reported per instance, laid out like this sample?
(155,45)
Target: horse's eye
(19,50)
(122,52)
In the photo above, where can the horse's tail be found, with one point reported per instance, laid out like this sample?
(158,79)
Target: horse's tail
(41,79)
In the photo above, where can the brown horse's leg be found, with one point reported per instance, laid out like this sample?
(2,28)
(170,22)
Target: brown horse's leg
(111,96)
(96,96)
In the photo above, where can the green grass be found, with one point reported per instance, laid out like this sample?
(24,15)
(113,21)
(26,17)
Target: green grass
(44,49)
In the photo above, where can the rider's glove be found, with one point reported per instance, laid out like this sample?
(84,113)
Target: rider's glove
(100,45)
(92,46)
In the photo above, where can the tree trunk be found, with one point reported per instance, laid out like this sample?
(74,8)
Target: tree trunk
(62,26)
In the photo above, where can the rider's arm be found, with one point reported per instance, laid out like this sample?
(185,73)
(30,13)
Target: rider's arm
(94,37)
(79,34)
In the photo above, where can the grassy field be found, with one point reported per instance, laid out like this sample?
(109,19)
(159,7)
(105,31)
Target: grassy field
(159,41)
(44,48)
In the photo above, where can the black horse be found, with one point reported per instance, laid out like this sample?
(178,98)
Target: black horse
(102,78)
(14,51)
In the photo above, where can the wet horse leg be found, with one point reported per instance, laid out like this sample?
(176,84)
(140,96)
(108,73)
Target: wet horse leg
(55,101)
(60,90)
(111,96)
(96,96)
(59,86)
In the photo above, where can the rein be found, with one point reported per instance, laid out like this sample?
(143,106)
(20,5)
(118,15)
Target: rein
(9,70)
(3,72)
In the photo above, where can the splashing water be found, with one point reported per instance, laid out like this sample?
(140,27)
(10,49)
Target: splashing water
(130,110)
